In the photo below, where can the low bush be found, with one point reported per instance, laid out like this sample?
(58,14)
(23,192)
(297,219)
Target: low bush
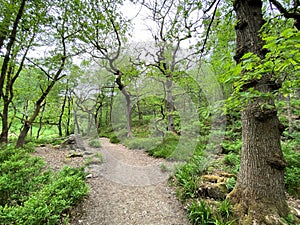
(188,175)
(292,173)
(232,162)
(142,143)
(32,195)
(166,148)
(95,143)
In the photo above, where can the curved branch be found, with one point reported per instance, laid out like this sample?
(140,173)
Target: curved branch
(289,15)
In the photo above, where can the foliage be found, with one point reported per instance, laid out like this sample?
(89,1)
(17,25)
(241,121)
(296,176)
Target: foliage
(200,212)
(188,175)
(95,143)
(232,161)
(282,57)
(32,195)
(142,143)
(114,139)
(230,183)
(292,173)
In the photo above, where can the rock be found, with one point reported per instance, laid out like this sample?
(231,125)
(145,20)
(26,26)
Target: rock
(74,142)
(274,220)
(295,211)
(89,176)
(214,186)
(73,154)
(217,191)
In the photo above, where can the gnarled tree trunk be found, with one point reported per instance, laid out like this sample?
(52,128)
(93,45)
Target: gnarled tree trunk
(259,195)
(127,96)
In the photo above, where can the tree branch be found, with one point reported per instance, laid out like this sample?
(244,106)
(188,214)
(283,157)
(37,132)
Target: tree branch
(289,15)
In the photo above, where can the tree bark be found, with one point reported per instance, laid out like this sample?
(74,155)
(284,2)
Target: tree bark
(128,102)
(41,121)
(259,195)
(290,114)
(60,118)
(170,104)
(10,44)
(68,132)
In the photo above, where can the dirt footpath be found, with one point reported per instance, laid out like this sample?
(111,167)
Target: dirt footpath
(129,187)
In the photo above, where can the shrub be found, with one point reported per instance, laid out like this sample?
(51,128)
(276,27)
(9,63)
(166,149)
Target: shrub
(32,195)
(166,148)
(95,143)
(292,173)
(142,143)
(232,161)
(114,140)
(187,176)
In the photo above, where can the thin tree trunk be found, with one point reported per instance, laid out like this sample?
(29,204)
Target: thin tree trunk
(62,111)
(140,114)
(290,115)
(10,44)
(259,195)
(111,105)
(170,104)
(76,123)
(128,112)
(27,126)
(6,101)
(41,121)
(69,116)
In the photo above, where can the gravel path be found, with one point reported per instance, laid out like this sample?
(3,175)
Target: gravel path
(129,187)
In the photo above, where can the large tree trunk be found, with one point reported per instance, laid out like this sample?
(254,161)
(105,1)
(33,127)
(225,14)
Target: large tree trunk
(128,102)
(259,195)
(27,125)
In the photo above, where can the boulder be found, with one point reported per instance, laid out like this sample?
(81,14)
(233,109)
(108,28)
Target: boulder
(74,142)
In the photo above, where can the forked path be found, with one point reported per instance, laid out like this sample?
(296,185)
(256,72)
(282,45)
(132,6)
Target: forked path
(129,187)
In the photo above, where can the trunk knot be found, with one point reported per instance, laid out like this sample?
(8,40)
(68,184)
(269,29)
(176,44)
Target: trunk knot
(277,161)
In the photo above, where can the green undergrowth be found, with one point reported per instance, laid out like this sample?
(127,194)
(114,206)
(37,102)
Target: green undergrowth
(95,143)
(188,179)
(200,212)
(291,151)
(31,194)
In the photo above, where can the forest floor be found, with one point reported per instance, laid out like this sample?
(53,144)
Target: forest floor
(126,186)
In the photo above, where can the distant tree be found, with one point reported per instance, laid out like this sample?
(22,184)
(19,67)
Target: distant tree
(172,24)
(20,27)
(104,34)
(60,34)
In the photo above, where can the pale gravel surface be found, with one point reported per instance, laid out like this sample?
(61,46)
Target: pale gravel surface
(128,188)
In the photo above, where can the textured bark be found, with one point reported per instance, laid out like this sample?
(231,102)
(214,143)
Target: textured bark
(259,195)
(128,102)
